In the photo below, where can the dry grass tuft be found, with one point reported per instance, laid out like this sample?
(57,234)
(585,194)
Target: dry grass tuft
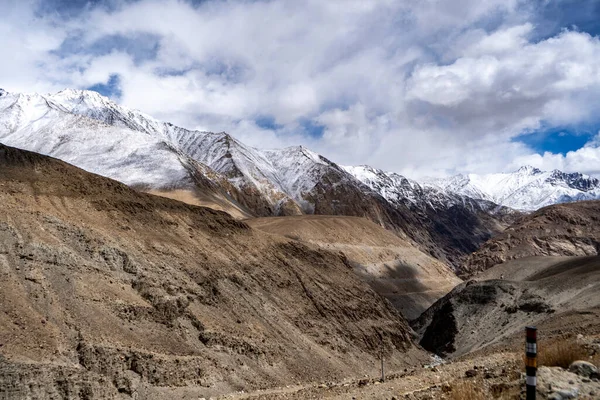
(561,353)
(466,390)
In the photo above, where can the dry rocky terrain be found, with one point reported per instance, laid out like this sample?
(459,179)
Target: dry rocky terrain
(410,279)
(546,291)
(106,292)
(571,229)
(482,377)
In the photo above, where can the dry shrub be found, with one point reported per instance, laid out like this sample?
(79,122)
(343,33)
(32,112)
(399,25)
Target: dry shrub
(466,390)
(561,353)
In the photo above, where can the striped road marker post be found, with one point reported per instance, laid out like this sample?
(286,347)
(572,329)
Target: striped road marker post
(531,361)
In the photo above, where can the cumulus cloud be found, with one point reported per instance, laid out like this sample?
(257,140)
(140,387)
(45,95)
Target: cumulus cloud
(585,159)
(422,87)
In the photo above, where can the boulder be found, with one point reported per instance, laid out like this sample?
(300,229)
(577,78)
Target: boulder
(583,368)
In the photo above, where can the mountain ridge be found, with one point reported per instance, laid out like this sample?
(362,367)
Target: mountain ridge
(94,133)
(107,292)
(526,189)
(568,229)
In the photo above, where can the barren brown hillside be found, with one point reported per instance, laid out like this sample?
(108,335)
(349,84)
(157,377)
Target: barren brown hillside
(557,294)
(571,229)
(106,292)
(395,268)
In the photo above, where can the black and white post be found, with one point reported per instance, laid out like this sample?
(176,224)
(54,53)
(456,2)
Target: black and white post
(531,361)
(381,354)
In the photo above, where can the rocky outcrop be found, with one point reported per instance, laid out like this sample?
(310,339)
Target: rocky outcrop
(561,230)
(492,310)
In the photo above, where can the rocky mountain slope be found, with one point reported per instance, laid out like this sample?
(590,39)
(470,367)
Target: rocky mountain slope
(455,225)
(106,292)
(94,133)
(410,279)
(559,295)
(526,189)
(571,229)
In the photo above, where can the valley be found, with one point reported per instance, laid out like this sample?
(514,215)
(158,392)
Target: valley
(111,293)
(299,200)
(212,269)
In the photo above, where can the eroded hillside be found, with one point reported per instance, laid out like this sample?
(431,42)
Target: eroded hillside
(571,229)
(106,292)
(410,279)
(559,295)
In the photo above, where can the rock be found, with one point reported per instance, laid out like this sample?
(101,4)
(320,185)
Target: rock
(564,394)
(470,373)
(583,368)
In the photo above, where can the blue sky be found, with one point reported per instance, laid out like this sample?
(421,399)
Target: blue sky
(421,88)
(110,89)
(558,139)
(554,16)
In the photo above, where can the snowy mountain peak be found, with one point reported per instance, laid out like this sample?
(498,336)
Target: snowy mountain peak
(80,93)
(528,170)
(526,189)
(304,152)
(91,131)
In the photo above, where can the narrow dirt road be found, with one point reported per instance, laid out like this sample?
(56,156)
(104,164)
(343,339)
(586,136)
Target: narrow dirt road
(499,371)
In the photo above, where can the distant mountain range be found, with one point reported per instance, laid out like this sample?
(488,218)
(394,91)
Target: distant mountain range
(448,218)
(526,189)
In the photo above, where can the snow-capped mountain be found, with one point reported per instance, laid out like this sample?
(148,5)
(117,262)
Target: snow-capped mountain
(61,126)
(456,223)
(94,133)
(397,189)
(526,189)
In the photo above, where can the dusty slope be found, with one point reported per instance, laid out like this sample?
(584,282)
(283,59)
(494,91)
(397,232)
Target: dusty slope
(106,292)
(561,230)
(558,294)
(396,269)
(203,198)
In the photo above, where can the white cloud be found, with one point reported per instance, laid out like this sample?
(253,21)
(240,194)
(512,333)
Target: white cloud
(585,159)
(417,86)
(26,40)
